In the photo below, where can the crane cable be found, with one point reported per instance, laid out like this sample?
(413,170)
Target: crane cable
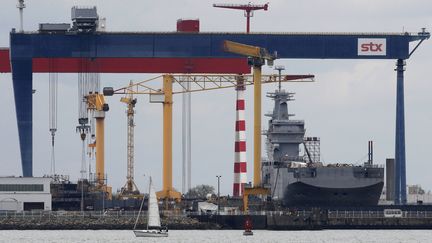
(53,97)
(83,128)
(88,83)
(93,87)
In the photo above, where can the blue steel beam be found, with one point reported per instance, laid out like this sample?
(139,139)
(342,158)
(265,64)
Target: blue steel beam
(26,46)
(295,45)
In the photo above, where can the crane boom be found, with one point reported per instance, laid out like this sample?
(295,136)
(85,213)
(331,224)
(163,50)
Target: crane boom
(245,7)
(247,50)
(205,83)
(241,49)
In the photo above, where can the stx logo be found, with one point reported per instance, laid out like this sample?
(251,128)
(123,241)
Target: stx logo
(371,47)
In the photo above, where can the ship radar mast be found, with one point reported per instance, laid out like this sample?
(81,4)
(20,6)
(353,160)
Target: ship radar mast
(279,68)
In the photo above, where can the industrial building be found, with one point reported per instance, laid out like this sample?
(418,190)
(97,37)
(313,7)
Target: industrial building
(25,193)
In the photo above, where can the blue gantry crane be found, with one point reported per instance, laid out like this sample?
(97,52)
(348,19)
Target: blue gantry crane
(176,52)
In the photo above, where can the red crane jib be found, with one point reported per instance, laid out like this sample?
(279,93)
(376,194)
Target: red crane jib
(246,7)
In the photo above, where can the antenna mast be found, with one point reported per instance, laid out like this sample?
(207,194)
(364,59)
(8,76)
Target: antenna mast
(279,69)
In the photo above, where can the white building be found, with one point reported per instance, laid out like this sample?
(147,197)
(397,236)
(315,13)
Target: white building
(25,193)
(415,195)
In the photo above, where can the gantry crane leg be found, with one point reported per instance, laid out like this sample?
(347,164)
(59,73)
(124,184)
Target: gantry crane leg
(257,188)
(100,154)
(168,191)
(257,125)
(100,147)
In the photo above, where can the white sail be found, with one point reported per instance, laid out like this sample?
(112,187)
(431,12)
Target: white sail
(153,208)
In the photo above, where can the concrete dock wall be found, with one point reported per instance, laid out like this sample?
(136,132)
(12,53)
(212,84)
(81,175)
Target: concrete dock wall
(280,220)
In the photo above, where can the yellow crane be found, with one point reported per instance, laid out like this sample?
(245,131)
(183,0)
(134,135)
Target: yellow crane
(96,103)
(167,191)
(198,83)
(130,189)
(256,58)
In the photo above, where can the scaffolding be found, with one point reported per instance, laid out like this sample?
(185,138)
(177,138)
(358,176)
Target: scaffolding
(313,145)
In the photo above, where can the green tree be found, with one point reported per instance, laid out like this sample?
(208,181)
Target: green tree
(200,191)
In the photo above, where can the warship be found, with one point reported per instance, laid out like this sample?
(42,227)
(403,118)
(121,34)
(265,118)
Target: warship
(303,180)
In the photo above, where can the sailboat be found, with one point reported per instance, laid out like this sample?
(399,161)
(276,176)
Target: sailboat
(154,228)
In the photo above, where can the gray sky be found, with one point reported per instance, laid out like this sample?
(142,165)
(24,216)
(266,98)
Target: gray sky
(351,102)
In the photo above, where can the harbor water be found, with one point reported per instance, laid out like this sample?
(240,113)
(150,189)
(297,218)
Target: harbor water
(203,236)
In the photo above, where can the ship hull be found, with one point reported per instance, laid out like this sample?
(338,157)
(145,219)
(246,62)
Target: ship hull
(302,194)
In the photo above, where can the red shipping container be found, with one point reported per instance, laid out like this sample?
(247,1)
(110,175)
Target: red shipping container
(188,25)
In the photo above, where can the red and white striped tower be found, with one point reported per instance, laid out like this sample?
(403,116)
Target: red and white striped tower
(240,176)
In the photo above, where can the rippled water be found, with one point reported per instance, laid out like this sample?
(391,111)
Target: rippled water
(202,236)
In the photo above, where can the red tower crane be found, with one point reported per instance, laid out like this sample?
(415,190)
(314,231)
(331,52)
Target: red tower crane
(248,8)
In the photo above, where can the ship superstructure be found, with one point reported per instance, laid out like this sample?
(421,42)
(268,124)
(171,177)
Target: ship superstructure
(300,180)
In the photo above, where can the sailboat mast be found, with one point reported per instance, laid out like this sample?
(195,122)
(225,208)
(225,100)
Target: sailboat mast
(148,207)
(139,212)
